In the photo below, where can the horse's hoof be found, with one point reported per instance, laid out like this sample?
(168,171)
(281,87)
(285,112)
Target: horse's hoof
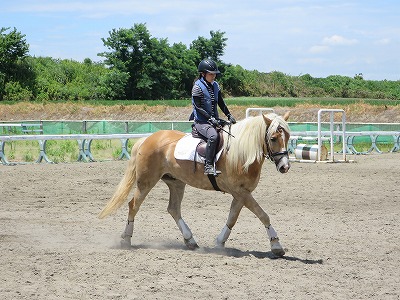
(219,245)
(125,244)
(278,252)
(276,248)
(126,241)
(191,243)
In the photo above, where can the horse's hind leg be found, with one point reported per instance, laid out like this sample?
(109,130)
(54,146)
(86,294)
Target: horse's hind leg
(176,191)
(140,193)
(133,205)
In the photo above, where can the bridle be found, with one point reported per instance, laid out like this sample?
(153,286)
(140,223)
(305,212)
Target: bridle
(271,155)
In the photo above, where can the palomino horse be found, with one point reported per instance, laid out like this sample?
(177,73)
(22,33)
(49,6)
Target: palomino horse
(253,139)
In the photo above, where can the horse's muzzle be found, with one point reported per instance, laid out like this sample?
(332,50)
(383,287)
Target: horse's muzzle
(282,163)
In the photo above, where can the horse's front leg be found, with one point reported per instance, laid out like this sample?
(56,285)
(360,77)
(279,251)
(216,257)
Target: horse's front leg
(254,207)
(236,207)
(276,246)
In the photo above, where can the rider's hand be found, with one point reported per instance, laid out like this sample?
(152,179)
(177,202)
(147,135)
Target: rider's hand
(231,119)
(223,122)
(213,121)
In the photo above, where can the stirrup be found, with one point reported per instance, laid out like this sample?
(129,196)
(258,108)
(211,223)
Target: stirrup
(210,170)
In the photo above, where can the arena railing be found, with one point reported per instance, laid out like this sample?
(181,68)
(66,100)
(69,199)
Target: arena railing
(84,140)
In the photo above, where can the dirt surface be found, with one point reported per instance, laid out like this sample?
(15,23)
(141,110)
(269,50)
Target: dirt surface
(338,222)
(78,111)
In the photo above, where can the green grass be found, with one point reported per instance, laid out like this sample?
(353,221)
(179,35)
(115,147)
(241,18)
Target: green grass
(60,151)
(239,101)
(258,101)
(291,102)
(362,146)
(27,151)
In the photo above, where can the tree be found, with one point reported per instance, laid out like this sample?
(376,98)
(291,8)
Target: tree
(68,79)
(14,70)
(156,70)
(128,50)
(233,80)
(13,47)
(210,48)
(185,66)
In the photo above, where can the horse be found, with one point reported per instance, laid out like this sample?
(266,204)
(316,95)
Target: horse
(246,145)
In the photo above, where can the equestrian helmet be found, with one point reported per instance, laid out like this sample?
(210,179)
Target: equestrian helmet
(208,66)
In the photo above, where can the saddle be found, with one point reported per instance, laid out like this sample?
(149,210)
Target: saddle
(202,145)
(193,147)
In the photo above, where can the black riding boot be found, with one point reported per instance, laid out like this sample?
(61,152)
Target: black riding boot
(210,154)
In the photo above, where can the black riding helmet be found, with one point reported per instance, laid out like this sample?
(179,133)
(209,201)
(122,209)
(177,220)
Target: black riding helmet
(208,66)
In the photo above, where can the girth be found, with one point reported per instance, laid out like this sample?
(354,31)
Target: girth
(201,150)
(213,182)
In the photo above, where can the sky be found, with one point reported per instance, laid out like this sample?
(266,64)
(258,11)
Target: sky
(316,37)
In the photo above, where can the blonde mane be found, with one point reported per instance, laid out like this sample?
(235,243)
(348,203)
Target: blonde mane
(248,144)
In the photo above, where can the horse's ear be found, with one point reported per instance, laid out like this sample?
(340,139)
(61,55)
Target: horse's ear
(267,121)
(286,115)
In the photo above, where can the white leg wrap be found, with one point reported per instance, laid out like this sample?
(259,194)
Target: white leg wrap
(276,247)
(223,236)
(128,230)
(271,232)
(187,234)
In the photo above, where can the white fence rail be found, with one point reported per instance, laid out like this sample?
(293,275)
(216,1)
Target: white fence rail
(307,136)
(84,142)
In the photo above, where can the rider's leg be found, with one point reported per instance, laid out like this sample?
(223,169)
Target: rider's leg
(211,135)
(210,155)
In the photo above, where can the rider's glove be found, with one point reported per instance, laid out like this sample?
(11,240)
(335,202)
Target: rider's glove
(213,121)
(222,122)
(231,119)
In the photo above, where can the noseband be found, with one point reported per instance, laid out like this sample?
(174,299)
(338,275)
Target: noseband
(270,155)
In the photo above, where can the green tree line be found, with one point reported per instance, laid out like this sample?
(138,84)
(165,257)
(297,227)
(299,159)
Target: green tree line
(138,66)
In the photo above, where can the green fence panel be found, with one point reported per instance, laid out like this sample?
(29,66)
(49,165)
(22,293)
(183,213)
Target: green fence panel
(117,126)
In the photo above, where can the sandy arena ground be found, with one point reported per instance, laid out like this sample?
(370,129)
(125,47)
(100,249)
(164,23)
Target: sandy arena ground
(339,223)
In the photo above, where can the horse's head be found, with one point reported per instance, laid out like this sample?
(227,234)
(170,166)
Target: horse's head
(276,142)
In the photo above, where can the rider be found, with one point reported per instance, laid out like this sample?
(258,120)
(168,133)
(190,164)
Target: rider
(206,94)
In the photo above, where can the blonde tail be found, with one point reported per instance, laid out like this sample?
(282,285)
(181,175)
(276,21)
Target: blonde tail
(125,185)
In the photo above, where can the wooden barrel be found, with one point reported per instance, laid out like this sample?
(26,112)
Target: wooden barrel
(310,152)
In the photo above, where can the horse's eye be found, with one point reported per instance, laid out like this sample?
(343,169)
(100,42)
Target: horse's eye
(273,139)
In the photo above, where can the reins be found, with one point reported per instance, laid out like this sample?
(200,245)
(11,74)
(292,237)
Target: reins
(228,145)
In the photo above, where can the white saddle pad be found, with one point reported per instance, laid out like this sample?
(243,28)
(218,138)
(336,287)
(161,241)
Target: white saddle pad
(185,149)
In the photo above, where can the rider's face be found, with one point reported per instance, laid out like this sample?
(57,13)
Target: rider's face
(210,77)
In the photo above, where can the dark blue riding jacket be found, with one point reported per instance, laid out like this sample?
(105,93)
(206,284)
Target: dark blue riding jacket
(208,104)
